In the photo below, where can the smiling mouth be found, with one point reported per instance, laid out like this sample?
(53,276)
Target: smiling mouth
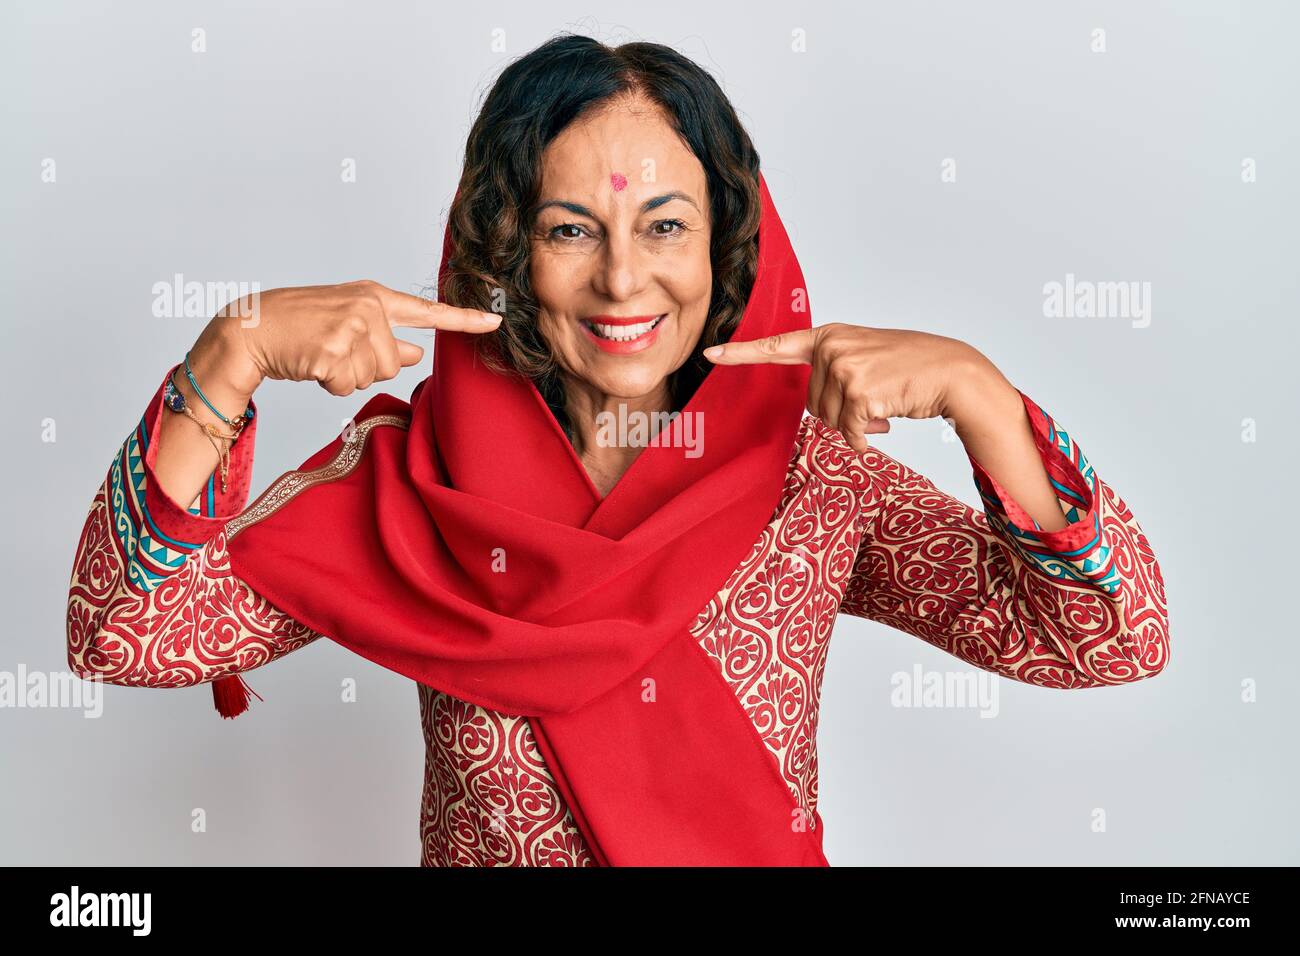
(622,332)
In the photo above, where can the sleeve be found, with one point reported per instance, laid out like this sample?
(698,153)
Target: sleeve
(152,601)
(1080,607)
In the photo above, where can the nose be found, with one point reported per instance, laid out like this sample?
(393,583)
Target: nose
(621,271)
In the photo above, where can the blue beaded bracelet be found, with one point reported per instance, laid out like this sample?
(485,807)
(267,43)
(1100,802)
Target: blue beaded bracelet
(174,400)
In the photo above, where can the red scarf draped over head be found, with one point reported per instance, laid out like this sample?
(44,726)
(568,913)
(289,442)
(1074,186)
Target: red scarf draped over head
(458,540)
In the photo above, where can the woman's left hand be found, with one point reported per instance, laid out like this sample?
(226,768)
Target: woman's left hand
(862,377)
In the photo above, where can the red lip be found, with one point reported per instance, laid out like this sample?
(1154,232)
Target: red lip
(625,346)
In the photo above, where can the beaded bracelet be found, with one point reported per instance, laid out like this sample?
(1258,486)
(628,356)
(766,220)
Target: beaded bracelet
(174,399)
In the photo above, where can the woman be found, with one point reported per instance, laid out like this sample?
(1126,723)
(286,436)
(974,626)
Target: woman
(602,537)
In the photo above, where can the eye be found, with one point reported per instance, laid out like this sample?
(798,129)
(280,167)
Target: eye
(674,227)
(556,232)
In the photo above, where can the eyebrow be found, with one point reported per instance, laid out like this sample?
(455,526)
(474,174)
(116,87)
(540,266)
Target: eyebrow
(647,206)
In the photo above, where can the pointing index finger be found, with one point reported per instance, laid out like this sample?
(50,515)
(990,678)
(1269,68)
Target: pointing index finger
(414,312)
(786,348)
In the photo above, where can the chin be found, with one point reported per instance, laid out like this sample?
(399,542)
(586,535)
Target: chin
(628,383)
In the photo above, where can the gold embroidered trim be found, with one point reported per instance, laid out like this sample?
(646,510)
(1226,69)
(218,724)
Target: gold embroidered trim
(292,483)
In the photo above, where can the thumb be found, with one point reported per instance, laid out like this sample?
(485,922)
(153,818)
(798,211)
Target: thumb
(408,353)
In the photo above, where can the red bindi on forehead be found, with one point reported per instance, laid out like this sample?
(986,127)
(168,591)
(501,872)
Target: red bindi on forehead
(618,181)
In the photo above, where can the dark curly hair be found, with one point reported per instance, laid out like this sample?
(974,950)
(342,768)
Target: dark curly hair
(533,100)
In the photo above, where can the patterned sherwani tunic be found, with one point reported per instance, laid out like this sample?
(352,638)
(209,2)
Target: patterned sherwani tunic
(153,603)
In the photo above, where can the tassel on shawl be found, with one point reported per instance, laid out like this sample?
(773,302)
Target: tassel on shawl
(230,694)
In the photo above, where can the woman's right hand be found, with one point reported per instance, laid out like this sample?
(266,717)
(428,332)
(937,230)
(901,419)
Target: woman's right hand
(340,336)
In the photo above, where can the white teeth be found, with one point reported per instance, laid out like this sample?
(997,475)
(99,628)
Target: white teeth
(622,333)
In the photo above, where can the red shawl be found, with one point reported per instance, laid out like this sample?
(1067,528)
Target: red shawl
(392,544)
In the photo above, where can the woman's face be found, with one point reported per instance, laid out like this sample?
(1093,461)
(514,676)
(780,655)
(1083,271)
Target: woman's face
(620,250)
